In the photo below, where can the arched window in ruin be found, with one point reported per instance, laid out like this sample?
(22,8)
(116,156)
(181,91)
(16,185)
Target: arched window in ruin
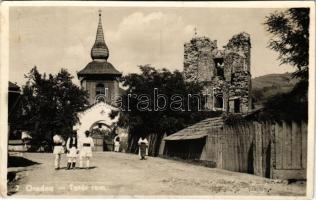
(219,66)
(218,101)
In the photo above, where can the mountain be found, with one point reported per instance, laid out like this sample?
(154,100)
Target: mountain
(264,87)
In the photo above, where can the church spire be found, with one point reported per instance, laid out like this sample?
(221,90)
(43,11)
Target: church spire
(99,50)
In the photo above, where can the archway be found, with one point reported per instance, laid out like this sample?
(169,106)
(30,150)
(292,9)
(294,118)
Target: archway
(101,134)
(97,114)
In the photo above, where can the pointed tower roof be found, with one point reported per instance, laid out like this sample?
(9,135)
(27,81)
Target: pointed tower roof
(99,49)
(99,66)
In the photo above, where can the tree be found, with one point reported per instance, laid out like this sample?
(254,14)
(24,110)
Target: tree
(146,116)
(50,105)
(290,31)
(290,38)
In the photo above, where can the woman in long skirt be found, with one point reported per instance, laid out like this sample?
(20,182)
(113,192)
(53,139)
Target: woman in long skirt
(86,145)
(143,147)
(72,150)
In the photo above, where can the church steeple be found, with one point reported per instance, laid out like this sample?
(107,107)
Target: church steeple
(99,50)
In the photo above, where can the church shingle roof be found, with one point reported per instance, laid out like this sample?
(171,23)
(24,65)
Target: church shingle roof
(99,67)
(99,49)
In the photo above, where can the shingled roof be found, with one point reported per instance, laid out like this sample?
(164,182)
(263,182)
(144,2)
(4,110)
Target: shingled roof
(99,55)
(99,67)
(198,130)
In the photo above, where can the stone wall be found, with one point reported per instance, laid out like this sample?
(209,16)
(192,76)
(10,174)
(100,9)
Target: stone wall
(198,62)
(238,89)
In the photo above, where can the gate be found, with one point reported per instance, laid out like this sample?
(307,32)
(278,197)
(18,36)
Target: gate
(98,143)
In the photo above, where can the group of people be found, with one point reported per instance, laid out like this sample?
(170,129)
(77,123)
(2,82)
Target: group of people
(74,149)
(83,149)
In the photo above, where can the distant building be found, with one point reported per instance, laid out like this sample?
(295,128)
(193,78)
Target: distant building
(225,73)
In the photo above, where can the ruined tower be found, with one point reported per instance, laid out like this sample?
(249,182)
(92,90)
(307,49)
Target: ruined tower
(225,73)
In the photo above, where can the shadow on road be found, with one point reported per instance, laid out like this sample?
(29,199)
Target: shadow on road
(18,161)
(12,177)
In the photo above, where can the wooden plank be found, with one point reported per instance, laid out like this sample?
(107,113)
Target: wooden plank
(304,144)
(264,148)
(250,141)
(227,158)
(229,152)
(240,148)
(232,139)
(278,146)
(260,152)
(287,142)
(289,174)
(255,163)
(296,150)
(224,147)
(235,148)
(220,152)
(244,149)
(273,153)
(255,160)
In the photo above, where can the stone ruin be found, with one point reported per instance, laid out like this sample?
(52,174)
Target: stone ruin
(225,73)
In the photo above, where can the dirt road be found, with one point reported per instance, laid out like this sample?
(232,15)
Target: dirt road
(118,174)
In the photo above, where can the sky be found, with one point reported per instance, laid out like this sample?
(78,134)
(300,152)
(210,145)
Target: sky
(52,38)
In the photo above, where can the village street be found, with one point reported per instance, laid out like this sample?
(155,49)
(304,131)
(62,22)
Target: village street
(114,174)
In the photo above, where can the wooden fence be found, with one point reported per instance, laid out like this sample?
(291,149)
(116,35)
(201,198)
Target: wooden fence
(273,150)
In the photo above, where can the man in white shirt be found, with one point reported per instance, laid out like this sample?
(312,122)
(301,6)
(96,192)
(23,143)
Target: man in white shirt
(58,149)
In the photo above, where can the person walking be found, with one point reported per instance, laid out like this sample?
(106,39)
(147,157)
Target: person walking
(72,150)
(58,149)
(86,145)
(143,147)
(116,143)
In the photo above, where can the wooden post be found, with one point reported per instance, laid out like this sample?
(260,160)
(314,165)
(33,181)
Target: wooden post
(162,145)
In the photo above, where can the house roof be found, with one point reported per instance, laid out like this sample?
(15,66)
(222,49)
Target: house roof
(99,67)
(13,86)
(198,130)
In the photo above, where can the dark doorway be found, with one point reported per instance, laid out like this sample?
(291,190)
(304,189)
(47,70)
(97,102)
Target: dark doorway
(236,105)
(218,101)
(185,149)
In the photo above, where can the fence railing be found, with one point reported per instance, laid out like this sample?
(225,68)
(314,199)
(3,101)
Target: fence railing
(274,150)
(269,149)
